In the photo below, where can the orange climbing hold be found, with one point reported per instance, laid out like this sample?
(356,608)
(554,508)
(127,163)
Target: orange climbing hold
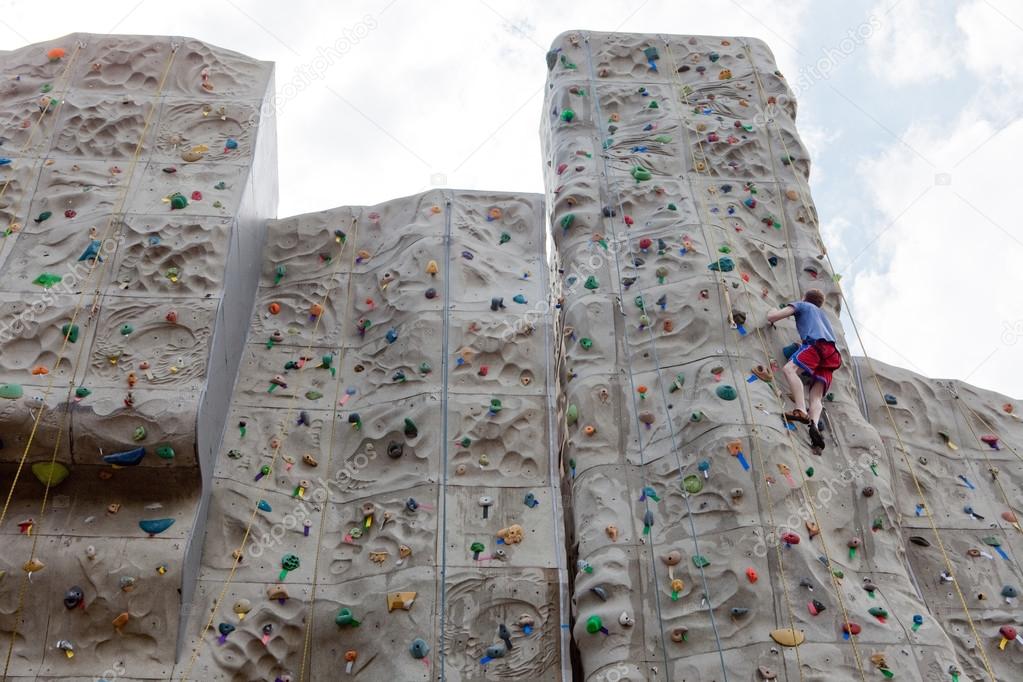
(55,54)
(589,429)
(39,370)
(316,310)
(751,574)
(274,308)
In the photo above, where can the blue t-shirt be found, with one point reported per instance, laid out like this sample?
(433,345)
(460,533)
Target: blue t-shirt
(812,323)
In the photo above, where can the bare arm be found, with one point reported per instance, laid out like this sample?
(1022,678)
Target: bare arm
(780,314)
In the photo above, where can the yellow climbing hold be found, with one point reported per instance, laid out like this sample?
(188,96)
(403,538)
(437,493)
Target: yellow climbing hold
(788,636)
(50,473)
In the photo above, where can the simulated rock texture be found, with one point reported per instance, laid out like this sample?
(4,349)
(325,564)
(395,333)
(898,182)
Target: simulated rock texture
(395,385)
(137,177)
(680,216)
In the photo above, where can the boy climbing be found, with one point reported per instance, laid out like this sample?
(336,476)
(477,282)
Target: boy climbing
(817,356)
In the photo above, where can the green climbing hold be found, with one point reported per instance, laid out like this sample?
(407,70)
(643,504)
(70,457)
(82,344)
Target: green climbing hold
(653,105)
(591,283)
(724,249)
(70,332)
(82,392)
(641,174)
(594,625)
(723,264)
(504,238)
(139,433)
(692,484)
(495,405)
(178,200)
(586,343)
(45,215)
(11,391)
(672,207)
(676,385)
(425,368)
(411,430)
(572,414)
(279,272)
(567,220)
(830,397)
(126,329)
(345,618)
(46,280)
(664,139)
(567,115)
(700,561)
(313,395)
(50,473)
(165,452)
(727,392)
(809,472)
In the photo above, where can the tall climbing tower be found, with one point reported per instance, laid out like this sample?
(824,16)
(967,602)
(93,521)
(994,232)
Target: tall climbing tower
(709,540)
(137,178)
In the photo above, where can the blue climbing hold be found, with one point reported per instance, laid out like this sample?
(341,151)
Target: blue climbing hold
(92,251)
(128,458)
(155,526)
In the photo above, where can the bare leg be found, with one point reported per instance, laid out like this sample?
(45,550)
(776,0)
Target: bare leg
(791,372)
(816,394)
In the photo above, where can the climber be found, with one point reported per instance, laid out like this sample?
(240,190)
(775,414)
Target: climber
(817,356)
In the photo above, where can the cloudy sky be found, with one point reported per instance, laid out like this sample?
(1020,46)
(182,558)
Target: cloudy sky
(911,110)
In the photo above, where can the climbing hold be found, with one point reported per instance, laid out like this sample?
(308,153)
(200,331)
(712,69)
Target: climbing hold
(641,174)
(345,618)
(723,264)
(400,600)
(11,391)
(47,280)
(788,636)
(50,473)
(1007,633)
(178,201)
(419,648)
(74,597)
(476,548)
(126,458)
(595,625)
(567,115)
(591,283)
(726,392)
(410,429)
(155,526)
(289,562)
(890,399)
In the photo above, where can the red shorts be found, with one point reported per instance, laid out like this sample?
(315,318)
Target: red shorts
(818,359)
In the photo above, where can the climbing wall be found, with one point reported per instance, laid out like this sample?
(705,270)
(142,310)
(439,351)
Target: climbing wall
(385,476)
(136,178)
(708,540)
(961,445)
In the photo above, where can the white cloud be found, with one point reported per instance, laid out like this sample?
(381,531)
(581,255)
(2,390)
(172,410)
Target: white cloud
(949,284)
(906,46)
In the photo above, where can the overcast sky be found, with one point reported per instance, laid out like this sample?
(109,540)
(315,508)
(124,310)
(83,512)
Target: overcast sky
(911,110)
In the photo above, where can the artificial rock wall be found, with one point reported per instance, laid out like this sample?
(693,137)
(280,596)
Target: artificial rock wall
(395,385)
(680,215)
(354,417)
(137,178)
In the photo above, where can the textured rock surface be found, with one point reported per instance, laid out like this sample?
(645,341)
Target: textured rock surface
(96,140)
(438,360)
(679,210)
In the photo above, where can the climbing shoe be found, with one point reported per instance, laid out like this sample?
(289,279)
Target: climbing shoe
(816,439)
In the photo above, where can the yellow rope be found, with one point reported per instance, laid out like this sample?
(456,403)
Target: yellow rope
(239,553)
(891,418)
(81,295)
(804,487)
(345,317)
(53,457)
